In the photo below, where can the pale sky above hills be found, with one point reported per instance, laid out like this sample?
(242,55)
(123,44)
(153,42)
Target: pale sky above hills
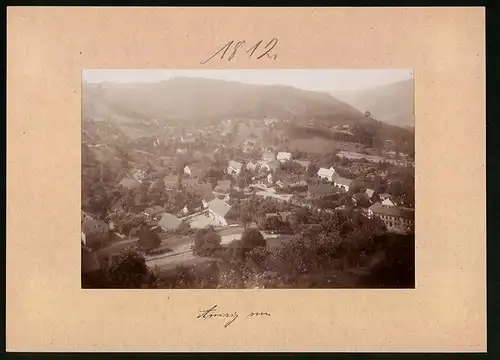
(316,80)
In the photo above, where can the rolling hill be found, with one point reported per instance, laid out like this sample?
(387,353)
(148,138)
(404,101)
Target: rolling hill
(392,104)
(181,100)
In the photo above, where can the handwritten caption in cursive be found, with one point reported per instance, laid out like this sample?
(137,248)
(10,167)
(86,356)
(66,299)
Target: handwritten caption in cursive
(231,317)
(257,50)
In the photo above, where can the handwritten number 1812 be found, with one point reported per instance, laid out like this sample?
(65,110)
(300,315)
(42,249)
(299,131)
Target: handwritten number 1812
(267,51)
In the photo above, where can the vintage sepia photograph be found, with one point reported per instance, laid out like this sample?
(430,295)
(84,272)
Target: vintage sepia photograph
(248,179)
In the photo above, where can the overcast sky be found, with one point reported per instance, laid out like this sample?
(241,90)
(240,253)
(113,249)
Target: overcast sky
(318,80)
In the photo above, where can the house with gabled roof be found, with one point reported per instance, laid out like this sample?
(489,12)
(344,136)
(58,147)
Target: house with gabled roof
(342,183)
(234,168)
(218,210)
(326,173)
(395,218)
(169,222)
(370,193)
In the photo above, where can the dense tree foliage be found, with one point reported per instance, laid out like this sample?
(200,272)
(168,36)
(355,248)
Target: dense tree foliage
(129,270)
(206,242)
(312,170)
(251,239)
(149,239)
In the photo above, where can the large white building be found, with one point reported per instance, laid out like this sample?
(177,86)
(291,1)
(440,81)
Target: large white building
(327,174)
(395,218)
(284,156)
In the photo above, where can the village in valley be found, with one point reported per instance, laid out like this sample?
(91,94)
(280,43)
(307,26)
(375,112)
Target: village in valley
(243,203)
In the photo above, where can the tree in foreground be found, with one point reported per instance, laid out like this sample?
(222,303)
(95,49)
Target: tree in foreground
(206,242)
(251,239)
(312,170)
(149,239)
(129,270)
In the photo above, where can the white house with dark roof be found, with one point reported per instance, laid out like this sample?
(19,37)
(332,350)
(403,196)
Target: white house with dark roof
(218,210)
(342,183)
(284,156)
(326,173)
